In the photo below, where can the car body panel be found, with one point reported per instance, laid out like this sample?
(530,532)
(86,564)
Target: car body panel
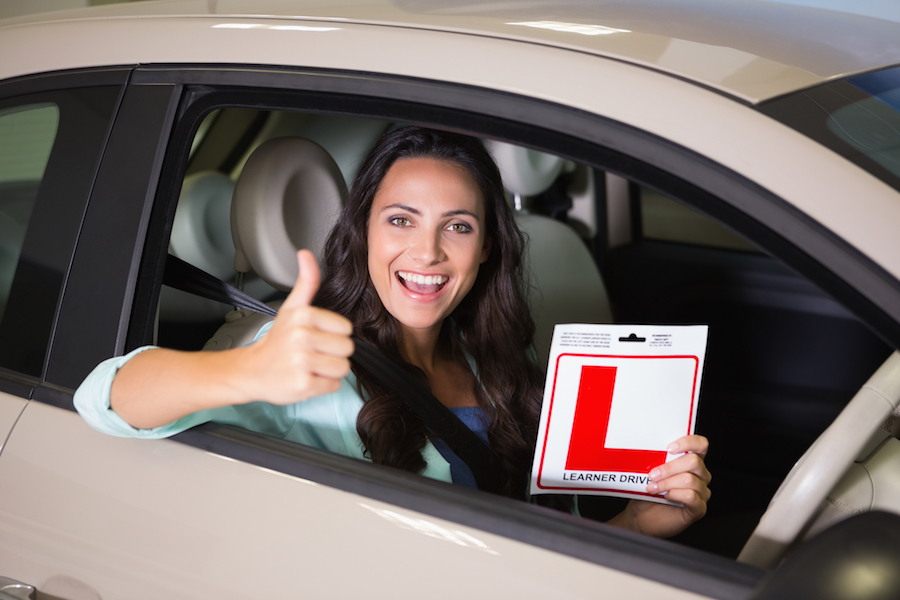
(186,529)
(731,56)
(688,115)
(200,521)
(10,409)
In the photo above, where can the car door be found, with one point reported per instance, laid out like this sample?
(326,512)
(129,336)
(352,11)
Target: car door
(52,134)
(223,512)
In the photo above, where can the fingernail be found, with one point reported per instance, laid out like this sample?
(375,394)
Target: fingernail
(673,448)
(654,474)
(652,487)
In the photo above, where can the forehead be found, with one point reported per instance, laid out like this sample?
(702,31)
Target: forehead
(427,182)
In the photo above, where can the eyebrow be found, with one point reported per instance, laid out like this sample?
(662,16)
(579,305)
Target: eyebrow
(451,213)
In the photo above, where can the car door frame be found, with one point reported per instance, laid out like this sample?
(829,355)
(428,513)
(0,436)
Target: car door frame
(107,306)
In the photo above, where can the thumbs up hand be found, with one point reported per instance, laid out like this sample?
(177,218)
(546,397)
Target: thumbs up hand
(305,353)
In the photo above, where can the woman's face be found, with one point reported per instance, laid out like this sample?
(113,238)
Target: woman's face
(426,240)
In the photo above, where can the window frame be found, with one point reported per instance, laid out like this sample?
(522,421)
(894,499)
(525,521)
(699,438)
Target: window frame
(177,98)
(54,216)
(770,222)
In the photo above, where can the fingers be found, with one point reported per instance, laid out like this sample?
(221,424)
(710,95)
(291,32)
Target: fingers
(688,463)
(690,443)
(307,281)
(305,353)
(693,504)
(685,479)
(320,352)
(682,482)
(313,318)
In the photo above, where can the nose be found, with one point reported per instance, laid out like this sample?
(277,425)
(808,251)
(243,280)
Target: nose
(427,248)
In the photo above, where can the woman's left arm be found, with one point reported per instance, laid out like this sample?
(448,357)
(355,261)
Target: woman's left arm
(686,479)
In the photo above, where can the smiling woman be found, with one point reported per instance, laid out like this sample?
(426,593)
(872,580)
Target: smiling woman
(426,242)
(425,264)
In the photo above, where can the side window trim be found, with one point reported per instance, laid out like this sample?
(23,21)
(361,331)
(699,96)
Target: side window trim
(86,101)
(777,227)
(97,302)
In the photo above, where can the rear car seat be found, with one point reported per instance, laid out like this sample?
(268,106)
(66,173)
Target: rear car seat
(288,196)
(566,284)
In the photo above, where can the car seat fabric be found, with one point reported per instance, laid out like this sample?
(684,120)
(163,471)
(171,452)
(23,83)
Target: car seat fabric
(201,236)
(287,197)
(566,284)
(201,231)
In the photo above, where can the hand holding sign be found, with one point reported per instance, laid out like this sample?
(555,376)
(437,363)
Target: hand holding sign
(684,480)
(615,399)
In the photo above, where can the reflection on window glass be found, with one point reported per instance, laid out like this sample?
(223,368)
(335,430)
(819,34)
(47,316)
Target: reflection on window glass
(666,220)
(872,125)
(26,138)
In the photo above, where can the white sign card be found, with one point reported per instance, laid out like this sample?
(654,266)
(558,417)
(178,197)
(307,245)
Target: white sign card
(615,397)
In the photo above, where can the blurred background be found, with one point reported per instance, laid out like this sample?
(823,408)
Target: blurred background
(15,8)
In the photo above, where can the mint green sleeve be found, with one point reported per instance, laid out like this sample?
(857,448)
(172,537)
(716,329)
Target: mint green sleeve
(92,403)
(327,422)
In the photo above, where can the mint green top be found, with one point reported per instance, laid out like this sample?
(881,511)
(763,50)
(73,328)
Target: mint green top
(327,422)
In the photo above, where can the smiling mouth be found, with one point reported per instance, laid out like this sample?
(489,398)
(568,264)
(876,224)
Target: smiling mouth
(422,284)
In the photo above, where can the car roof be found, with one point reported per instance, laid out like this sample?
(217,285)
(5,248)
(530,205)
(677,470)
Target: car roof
(750,49)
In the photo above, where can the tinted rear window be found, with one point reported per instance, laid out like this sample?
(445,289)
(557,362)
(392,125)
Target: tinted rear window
(859,118)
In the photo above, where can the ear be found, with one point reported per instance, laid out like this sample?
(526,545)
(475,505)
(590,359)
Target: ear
(486,249)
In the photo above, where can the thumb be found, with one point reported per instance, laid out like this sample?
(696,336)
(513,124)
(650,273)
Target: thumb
(307,281)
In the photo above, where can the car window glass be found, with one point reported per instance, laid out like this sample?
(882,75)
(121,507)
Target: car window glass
(669,221)
(26,138)
(50,146)
(859,118)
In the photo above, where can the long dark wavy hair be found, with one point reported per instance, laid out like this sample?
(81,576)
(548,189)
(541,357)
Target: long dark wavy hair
(492,323)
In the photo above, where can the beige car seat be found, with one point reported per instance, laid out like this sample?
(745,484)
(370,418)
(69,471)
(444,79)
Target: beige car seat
(566,284)
(288,197)
(201,236)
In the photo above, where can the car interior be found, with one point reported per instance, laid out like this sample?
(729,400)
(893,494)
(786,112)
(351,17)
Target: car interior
(783,358)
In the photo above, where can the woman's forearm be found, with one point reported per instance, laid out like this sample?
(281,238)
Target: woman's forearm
(160,386)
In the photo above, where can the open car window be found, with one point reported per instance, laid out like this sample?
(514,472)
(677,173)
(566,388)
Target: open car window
(659,261)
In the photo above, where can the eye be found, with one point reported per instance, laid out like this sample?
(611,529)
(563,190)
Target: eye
(460,228)
(399,221)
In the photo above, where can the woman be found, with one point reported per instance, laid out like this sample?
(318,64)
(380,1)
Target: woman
(426,264)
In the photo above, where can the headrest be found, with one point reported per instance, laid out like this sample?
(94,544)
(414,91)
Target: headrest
(287,197)
(201,231)
(525,172)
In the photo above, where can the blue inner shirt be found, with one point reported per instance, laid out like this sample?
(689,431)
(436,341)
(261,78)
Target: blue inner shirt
(475,419)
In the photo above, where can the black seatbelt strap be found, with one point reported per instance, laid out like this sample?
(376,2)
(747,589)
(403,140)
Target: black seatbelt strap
(186,277)
(437,417)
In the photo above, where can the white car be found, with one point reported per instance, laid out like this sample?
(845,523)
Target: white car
(734,163)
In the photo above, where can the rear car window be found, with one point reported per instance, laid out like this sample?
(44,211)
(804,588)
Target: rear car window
(50,145)
(859,118)
(26,138)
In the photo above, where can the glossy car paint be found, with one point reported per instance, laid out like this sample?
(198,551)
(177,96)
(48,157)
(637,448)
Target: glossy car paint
(200,525)
(10,409)
(189,530)
(689,115)
(754,50)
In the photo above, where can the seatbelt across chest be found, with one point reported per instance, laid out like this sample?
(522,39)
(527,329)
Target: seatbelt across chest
(437,417)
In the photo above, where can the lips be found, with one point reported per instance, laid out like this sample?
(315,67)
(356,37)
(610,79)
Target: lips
(422,284)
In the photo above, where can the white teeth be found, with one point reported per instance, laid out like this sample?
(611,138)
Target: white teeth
(423,279)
